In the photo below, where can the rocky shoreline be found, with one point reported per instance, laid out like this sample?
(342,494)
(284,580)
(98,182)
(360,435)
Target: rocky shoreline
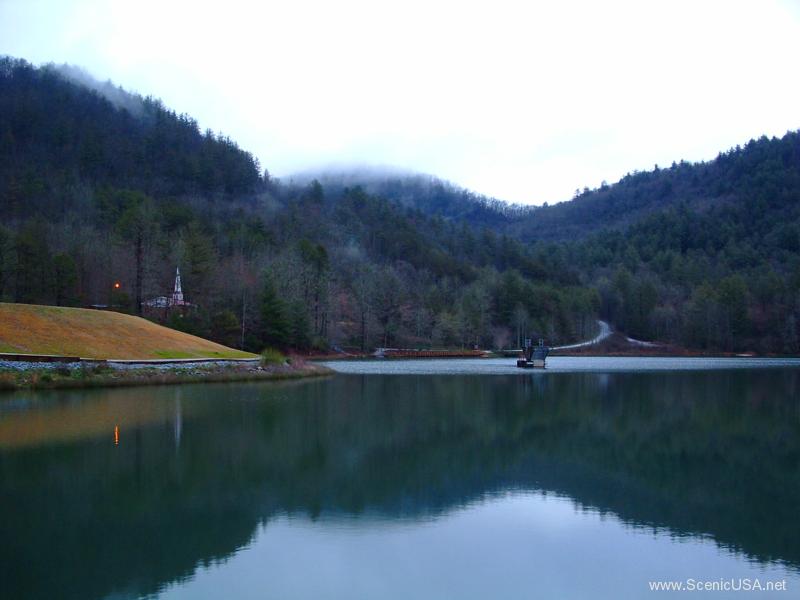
(16,375)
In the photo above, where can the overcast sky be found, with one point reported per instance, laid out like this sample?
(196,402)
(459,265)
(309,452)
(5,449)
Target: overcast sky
(523,101)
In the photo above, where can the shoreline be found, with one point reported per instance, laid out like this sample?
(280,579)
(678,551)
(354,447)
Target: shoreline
(99,377)
(658,352)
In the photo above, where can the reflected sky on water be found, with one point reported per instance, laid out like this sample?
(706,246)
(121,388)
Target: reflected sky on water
(570,484)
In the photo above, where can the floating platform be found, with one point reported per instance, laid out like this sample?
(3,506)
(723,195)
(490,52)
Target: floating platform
(533,357)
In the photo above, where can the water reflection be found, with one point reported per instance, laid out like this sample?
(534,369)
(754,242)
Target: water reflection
(198,469)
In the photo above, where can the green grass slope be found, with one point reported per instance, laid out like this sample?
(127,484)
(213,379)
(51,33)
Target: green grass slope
(30,329)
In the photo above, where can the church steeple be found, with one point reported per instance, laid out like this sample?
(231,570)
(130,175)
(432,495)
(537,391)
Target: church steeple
(177,293)
(170,300)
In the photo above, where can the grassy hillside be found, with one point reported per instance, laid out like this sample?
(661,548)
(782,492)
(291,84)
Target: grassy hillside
(30,329)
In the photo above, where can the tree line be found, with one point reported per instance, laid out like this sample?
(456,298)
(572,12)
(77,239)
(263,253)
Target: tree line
(96,193)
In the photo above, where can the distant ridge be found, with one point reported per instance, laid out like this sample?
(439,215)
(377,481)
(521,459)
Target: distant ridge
(426,193)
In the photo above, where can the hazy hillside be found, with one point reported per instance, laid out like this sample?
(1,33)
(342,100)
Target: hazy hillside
(705,255)
(764,175)
(56,135)
(425,193)
(95,193)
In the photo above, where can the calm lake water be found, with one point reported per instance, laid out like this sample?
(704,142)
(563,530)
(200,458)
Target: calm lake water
(409,480)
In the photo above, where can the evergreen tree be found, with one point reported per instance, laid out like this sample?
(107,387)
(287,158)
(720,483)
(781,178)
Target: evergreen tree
(299,328)
(225,328)
(275,328)
(137,225)
(65,279)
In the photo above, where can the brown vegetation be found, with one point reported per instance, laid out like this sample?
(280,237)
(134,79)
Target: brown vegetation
(30,329)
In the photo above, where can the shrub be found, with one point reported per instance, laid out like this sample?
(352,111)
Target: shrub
(271,356)
(81,373)
(8,381)
(320,344)
(63,371)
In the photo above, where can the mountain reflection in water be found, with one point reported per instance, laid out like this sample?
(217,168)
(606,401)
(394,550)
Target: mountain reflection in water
(198,469)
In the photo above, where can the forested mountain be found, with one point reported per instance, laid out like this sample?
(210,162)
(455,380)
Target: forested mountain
(715,260)
(705,255)
(764,175)
(425,193)
(57,135)
(98,186)
(96,193)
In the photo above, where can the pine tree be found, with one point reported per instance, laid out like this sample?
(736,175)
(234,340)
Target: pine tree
(300,329)
(65,280)
(275,326)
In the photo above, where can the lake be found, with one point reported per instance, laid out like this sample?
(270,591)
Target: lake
(410,479)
